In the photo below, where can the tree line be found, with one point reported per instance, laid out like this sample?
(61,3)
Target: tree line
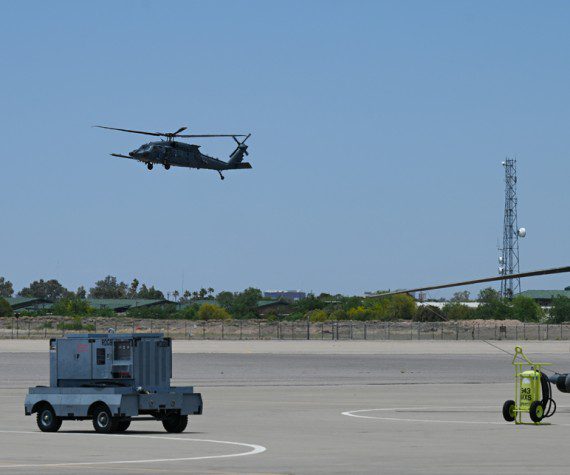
(205,304)
(107,288)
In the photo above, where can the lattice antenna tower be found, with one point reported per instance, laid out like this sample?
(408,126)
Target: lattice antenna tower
(509,257)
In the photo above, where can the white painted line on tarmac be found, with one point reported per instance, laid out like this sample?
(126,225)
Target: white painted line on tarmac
(255,449)
(398,419)
(358,414)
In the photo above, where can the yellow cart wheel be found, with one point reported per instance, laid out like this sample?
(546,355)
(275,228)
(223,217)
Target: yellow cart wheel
(536,411)
(509,411)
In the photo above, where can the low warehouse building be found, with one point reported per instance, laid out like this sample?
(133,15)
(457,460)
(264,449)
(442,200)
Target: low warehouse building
(544,297)
(122,305)
(20,304)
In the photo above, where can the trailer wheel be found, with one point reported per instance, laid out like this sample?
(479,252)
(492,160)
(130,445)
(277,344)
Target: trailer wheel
(175,423)
(47,420)
(536,411)
(103,422)
(122,426)
(509,411)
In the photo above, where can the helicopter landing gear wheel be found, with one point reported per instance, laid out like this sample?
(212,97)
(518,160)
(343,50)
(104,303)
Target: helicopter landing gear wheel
(149,166)
(221,176)
(167,166)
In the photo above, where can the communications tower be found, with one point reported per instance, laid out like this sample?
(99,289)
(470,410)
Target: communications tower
(509,258)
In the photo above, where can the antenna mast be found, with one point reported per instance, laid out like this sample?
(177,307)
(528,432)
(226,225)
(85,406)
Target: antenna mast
(509,258)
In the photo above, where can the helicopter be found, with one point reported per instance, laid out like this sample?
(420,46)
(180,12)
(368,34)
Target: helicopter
(170,152)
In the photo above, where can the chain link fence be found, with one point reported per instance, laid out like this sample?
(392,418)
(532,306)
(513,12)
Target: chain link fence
(51,327)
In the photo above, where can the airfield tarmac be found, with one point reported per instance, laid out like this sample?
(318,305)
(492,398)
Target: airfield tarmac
(307,407)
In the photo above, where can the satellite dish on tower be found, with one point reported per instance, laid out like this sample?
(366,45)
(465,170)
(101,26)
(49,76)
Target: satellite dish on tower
(521,232)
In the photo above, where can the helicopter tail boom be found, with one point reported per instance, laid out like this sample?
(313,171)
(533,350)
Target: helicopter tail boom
(242,165)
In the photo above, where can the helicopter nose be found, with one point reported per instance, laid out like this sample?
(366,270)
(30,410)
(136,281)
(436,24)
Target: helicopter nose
(133,153)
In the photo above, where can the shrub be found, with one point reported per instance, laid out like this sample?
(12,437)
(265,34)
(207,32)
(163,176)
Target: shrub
(318,316)
(359,313)
(75,325)
(210,311)
(188,313)
(428,313)
(159,312)
(458,311)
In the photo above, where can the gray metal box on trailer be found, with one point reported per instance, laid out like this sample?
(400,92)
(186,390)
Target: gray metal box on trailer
(112,379)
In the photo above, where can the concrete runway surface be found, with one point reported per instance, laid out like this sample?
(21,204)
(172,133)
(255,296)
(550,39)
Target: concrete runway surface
(307,407)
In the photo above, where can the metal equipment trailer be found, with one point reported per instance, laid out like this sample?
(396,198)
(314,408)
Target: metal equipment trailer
(112,379)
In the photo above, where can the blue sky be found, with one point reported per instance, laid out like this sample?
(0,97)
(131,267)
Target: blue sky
(378,134)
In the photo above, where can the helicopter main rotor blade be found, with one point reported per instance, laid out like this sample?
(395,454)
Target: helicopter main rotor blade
(169,135)
(181,129)
(211,135)
(555,270)
(156,134)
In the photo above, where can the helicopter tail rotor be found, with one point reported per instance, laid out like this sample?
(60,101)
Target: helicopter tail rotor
(241,150)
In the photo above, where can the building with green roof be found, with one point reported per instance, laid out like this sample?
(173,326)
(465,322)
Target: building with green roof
(122,305)
(20,304)
(544,297)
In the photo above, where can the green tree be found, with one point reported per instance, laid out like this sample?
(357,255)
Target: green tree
(81,293)
(108,288)
(186,297)
(309,303)
(133,289)
(458,311)
(210,311)
(526,309)
(560,309)
(493,306)
(225,299)
(50,290)
(401,307)
(488,295)
(203,294)
(72,306)
(149,293)
(5,309)
(6,288)
(245,303)
(461,296)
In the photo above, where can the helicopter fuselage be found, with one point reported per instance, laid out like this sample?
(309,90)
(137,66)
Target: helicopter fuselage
(178,154)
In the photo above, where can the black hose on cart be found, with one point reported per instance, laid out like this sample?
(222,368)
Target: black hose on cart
(548,404)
